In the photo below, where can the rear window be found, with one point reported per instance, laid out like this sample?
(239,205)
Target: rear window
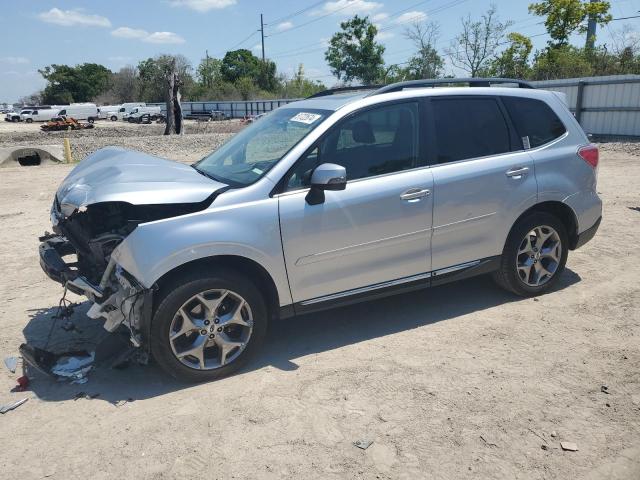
(534,119)
(469,128)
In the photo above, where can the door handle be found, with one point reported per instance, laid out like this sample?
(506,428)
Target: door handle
(415,194)
(517,172)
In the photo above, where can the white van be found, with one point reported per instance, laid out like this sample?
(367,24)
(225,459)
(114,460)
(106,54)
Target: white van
(127,108)
(108,112)
(153,112)
(80,111)
(38,115)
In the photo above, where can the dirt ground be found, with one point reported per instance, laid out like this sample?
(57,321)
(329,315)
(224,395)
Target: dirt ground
(461,381)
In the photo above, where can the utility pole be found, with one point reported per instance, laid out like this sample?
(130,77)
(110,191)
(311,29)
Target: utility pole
(207,79)
(262,35)
(591,31)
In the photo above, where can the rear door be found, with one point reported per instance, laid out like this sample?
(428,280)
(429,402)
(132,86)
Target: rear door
(483,179)
(378,229)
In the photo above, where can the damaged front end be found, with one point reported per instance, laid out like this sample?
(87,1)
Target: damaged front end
(89,221)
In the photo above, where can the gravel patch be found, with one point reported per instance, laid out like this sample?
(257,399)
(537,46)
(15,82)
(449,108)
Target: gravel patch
(629,148)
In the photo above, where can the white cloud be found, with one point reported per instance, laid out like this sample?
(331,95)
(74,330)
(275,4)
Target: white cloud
(385,35)
(126,32)
(14,60)
(257,47)
(73,18)
(281,27)
(380,17)
(412,17)
(203,5)
(154,37)
(164,37)
(348,7)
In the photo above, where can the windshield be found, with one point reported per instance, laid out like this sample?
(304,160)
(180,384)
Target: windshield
(251,153)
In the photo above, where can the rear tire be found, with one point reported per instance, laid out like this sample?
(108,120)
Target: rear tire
(174,299)
(29,120)
(113,118)
(534,255)
(91,120)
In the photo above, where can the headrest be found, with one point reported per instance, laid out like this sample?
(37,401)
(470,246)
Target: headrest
(362,132)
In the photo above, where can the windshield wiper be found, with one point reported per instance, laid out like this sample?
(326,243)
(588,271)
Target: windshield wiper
(207,174)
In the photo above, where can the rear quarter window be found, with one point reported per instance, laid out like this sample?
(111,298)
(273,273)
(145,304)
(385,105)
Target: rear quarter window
(534,119)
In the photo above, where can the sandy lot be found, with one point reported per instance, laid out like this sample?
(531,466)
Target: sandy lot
(461,381)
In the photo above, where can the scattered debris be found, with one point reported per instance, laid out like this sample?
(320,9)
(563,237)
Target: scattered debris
(64,123)
(88,396)
(488,443)
(75,367)
(120,403)
(23,383)
(605,389)
(608,404)
(554,434)
(11,363)
(569,446)
(537,435)
(68,365)
(363,444)
(544,447)
(12,406)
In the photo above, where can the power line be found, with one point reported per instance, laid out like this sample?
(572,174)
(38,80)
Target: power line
(295,14)
(348,4)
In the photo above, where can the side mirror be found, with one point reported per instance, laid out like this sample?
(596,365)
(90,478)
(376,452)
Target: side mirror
(327,176)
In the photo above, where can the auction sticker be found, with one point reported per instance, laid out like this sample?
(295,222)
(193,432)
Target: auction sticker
(304,117)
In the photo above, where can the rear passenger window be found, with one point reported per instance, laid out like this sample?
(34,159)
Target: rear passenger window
(534,119)
(469,128)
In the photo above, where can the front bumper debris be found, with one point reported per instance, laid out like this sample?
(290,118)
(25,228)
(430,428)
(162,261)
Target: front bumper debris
(118,299)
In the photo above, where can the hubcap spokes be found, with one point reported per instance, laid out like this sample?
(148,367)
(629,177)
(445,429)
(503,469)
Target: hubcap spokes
(211,329)
(539,256)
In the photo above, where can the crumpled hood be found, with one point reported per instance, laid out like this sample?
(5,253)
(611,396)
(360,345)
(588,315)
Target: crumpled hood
(115,174)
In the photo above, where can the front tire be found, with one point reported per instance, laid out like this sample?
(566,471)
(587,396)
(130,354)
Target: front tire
(534,255)
(207,325)
(29,120)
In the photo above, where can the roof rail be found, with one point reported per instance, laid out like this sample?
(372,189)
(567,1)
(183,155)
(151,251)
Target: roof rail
(472,82)
(334,91)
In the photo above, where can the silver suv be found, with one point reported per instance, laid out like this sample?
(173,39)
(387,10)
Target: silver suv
(339,198)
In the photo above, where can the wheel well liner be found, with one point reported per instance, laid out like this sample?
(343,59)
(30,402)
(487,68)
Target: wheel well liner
(563,212)
(254,271)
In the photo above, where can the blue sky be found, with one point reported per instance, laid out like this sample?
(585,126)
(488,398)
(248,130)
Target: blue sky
(120,32)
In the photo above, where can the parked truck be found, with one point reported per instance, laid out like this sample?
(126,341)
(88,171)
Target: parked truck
(152,111)
(80,111)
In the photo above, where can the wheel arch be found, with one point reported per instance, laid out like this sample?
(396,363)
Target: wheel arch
(247,266)
(562,211)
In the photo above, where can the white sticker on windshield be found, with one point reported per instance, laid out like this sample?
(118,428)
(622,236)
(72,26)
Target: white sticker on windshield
(304,117)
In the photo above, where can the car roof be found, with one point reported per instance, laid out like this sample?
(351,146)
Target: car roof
(335,102)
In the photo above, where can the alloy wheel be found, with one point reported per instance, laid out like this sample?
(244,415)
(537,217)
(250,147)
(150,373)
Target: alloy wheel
(539,256)
(211,329)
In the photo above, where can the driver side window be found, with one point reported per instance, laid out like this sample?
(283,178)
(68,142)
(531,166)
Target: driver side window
(374,142)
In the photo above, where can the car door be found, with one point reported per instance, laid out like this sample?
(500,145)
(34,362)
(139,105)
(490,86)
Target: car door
(377,230)
(483,179)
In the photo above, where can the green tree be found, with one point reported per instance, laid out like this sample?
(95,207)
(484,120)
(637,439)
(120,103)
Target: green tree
(564,17)
(353,53)
(208,72)
(153,72)
(299,86)
(82,83)
(426,62)
(513,62)
(237,64)
(564,61)
(473,48)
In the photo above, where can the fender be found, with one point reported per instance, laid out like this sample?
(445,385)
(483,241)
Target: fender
(155,248)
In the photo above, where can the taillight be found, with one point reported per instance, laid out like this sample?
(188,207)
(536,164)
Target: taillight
(589,153)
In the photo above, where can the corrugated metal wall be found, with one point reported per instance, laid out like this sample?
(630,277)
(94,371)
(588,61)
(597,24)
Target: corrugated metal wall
(235,109)
(605,106)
